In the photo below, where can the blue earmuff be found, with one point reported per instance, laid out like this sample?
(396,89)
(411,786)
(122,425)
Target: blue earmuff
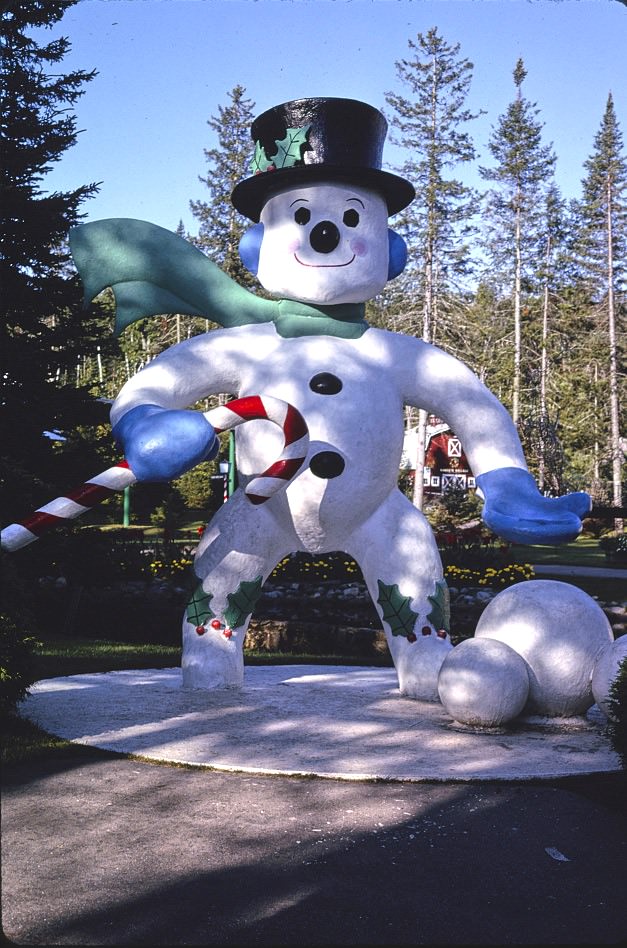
(250,247)
(397,254)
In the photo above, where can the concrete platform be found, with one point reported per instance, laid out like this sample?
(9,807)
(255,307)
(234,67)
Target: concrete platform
(341,722)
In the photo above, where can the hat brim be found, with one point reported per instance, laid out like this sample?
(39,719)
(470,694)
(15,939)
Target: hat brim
(250,195)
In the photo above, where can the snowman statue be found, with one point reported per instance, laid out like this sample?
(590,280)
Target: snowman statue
(319,243)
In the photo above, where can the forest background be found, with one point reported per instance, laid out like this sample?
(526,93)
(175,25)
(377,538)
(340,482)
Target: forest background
(526,287)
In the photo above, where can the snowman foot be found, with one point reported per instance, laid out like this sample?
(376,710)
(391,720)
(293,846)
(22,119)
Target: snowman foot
(418,660)
(212,656)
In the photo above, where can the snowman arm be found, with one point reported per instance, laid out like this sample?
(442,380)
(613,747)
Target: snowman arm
(160,437)
(445,387)
(514,508)
(208,364)
(153,271)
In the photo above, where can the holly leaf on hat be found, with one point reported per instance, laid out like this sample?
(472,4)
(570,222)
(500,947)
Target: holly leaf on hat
(290,148)
(260,161)
(198,610)
(243,601)
(396,609)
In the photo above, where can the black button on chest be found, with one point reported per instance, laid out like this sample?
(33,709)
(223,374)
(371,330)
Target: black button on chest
(325,383)
(327,464)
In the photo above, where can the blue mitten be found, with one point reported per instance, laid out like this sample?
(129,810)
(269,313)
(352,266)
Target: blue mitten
(516,510)
(161,444)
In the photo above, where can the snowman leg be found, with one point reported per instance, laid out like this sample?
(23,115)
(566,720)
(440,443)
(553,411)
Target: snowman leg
(398,556)
(238,551)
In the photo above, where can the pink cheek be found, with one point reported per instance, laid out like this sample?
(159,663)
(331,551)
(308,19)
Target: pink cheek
(359,247)
(293,246)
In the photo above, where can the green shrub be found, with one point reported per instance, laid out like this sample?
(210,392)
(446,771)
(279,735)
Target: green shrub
(91,556)
(17,664)
(169,515)
(615,547)
(617,704)
(452,508)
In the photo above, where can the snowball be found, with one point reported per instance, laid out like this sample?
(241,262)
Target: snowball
(560,631)
(483,682)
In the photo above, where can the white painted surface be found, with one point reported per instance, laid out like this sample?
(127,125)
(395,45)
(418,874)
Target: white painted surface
(560,631)
(333,721)
(483,682)
(356,269)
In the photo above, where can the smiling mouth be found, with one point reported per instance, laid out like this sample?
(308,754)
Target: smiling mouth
(324,265)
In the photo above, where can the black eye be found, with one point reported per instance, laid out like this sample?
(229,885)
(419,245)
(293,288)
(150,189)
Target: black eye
(302,215)
(351,217)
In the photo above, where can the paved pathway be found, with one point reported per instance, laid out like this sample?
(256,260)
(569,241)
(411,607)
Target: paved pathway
(101,850)
(429,833)
(589,572)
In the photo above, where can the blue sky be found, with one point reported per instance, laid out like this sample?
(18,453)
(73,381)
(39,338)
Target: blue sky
(164,67)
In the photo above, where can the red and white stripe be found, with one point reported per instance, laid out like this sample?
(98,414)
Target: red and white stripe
(254,407)
(295,434)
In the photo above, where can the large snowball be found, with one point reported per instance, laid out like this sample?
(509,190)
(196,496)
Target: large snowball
(483,682)
(560,631)
(606,670)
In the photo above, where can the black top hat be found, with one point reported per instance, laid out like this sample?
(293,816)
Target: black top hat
(311,140)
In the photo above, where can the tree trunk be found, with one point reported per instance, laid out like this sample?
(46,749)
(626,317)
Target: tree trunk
(419,487)
(544,367)
(613,368)
(517,327)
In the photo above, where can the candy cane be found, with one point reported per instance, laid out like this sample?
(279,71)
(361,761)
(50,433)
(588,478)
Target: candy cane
(116,478)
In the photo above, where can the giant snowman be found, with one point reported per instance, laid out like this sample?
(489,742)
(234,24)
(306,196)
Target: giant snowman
(321,246)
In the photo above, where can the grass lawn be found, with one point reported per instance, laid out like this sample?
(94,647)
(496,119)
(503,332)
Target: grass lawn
(59,655)
(584,551)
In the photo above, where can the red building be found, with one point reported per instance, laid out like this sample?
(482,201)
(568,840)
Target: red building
(446,464)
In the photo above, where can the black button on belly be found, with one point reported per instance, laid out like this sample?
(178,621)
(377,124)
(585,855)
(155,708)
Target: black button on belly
(327,464)
(325,384)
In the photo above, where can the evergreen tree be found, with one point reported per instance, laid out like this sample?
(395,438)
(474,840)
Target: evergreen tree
(430,127)
(44,334)
(522,172)
(221,226)
(602,244)
(539,424)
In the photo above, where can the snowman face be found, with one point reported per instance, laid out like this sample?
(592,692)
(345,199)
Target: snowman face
(324,244)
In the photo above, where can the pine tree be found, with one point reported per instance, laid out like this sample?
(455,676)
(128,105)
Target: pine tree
(523,170)
(603,260)
(43,329)
(221,226)
(540,422)
(430,127)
